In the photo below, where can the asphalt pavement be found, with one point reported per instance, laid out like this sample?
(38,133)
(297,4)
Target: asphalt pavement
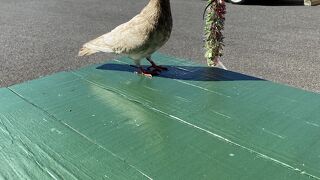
(275,41)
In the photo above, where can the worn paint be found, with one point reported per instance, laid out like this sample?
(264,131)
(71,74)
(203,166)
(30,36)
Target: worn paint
(192,122)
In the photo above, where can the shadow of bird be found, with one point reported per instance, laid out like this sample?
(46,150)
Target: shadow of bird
(189,73)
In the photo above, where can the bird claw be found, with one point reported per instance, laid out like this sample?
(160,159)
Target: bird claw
(147,73)
(144,74)
(153,70)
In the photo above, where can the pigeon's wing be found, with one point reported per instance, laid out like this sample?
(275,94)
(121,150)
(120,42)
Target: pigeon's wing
(129,37)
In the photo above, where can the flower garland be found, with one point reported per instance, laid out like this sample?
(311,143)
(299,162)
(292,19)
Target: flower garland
(214,25)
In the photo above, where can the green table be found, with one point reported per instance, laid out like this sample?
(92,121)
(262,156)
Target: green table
(192,122)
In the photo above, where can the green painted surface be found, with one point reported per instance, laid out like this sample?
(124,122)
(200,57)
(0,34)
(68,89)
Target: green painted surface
(192,122)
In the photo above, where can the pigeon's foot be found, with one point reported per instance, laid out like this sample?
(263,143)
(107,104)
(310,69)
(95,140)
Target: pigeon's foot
(146,73)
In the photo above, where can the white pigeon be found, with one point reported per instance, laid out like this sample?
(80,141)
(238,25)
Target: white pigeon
(138,38)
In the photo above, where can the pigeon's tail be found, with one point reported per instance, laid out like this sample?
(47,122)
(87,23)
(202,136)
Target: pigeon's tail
(94,46)
(86,51)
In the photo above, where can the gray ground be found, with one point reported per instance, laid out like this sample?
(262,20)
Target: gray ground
(278,42)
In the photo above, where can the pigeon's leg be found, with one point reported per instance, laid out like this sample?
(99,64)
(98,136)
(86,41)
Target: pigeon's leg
(154,66)
(142,71)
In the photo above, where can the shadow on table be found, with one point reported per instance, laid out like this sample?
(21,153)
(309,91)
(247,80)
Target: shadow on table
(193,73)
